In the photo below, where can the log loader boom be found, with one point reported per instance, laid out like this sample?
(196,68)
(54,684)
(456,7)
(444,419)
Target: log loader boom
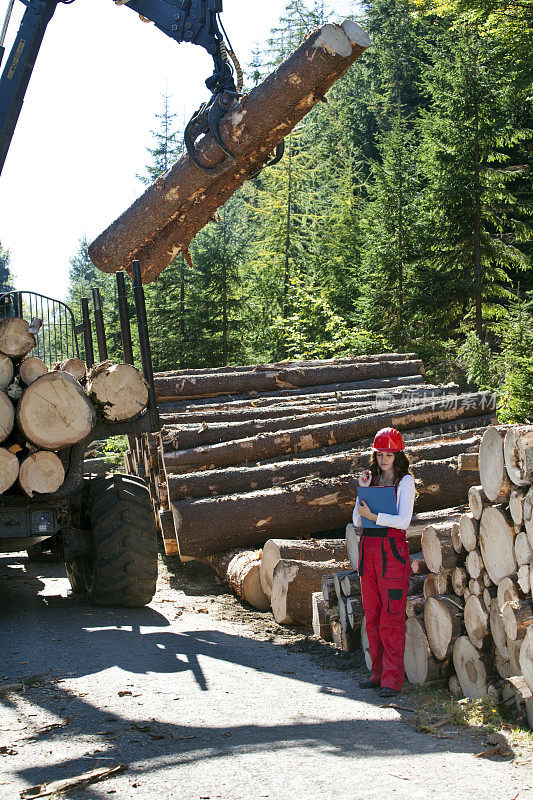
(195,21)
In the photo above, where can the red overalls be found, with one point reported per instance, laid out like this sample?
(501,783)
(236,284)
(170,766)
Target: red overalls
(384,569)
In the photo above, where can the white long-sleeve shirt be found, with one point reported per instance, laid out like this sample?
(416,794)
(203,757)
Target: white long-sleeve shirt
(405,500)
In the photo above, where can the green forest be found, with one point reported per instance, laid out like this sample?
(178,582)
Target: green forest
(400,217)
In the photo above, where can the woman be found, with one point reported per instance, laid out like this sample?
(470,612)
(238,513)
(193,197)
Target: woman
(384,564)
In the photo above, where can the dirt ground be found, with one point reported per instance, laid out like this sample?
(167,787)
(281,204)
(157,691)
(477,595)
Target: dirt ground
(200,697)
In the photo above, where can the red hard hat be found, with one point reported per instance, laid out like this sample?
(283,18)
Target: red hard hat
(388,440)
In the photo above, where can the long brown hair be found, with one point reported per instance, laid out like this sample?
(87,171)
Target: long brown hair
(400,467)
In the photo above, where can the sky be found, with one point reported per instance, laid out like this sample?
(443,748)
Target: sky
(87,119)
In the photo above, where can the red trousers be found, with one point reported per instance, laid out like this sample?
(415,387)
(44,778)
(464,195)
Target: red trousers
(385,567)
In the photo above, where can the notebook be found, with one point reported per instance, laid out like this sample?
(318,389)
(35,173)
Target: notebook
(379,499)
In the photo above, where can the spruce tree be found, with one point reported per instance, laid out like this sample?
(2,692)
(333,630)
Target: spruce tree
(6,278)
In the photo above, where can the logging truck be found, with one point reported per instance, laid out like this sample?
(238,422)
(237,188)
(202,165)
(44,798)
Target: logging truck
(102,527)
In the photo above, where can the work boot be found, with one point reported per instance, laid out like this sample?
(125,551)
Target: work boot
(387,691)
(367,683)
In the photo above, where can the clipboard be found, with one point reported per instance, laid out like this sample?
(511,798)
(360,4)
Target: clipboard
(378,499)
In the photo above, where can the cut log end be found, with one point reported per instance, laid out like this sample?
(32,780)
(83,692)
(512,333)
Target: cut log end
(41,473)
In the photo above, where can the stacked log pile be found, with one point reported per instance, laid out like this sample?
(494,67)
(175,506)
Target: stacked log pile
(470,609)
(247,453)
(43,413)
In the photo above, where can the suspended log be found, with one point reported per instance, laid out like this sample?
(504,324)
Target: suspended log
(518,454)
(41,473)
(272,445)
(54,412)
(120,390)
(496,543)
(492,473)
(16,341)
(165,219)
(6,371)
(472,668)
(420,664)
(517,616)
(239,569)
(526,657)
(477,622)
(443,618)
(32,368)
(7,416)
(293,584)
(321,617)
(74,366)
(300,550)
(9,469)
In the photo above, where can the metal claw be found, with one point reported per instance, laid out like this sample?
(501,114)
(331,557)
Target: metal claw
(207,120)
(220,106)
(278,155)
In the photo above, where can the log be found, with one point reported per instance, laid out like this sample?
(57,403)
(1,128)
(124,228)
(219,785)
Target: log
(351,584)
(9,469)
(421,666)
(54,412)
(442,582)
(7,416)
(120,390)
(437,547)
(474,564)
(492,473)
(468,529)
(429,586)
(328,591)
(293,584)
(190,386)
(354,610)
(443,618)
(526,657)
(477,500)
(343,615)
(415,605)
(523,698)
(344,638)
(508,591)
(476,587)
(524,579)
(165,219)
(528,515)
(166,521)
(42,472)
(517,616)
(217,524)
(299,550)
(271,445)
(454,687)
(32,368)
(457,544)
(523,550)
(518,454)
(514,647)
(353,536)
(239,569)
(16,341)
(365,647)
(321,617)
(6,371)
(516,505)
(468,461)
(496,543)
(472,668)
(459,580)
(74,366)
(489,596)
(477,622)
(418,565)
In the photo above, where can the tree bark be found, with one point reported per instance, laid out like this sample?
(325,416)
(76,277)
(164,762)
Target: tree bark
(165,219)
(54,412)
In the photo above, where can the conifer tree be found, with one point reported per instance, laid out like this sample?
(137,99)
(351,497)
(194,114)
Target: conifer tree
(6,278)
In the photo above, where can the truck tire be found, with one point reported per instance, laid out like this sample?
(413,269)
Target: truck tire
(121,570)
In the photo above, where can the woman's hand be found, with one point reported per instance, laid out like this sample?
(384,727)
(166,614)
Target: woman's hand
(365,512)
(365,478)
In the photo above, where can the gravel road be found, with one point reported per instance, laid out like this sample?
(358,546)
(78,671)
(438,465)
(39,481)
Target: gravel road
(200,698)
